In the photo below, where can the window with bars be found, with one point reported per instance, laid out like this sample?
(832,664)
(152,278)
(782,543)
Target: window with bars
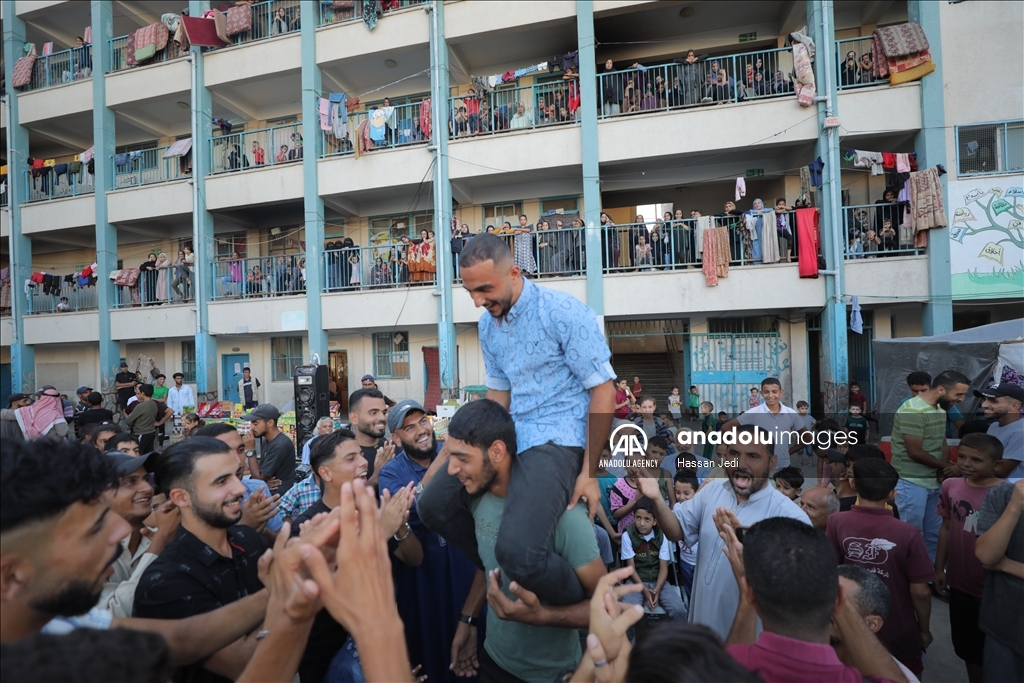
(496,214)
(391,355)
(226,244)
(749,325)
(990,148)
(285,354)
(188,361)
(560,204)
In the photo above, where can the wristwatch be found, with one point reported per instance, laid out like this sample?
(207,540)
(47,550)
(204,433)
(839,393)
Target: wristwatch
(250,454)
(468,620)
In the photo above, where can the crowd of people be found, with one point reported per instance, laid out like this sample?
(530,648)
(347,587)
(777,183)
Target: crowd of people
(384,553)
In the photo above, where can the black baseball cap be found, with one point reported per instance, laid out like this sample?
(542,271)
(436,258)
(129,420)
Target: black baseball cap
(396,416)
(263,412)
(125,464)
(1014,391)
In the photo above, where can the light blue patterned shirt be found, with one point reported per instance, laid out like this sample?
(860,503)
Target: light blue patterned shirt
(549,352)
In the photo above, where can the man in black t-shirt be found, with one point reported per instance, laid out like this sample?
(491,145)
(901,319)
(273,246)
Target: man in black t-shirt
(277,460)
(96,412)
(367,414)
(125,383)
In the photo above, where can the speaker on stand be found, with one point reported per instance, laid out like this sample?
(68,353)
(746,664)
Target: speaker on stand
(312,400)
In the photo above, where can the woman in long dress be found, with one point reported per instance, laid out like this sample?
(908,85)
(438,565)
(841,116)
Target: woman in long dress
(163,280)
(523,251)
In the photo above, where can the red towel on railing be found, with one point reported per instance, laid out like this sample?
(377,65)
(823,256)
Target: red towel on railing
(807,241)
(425,118)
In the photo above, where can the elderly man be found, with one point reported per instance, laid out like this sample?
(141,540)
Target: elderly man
(325,425)
(819,503)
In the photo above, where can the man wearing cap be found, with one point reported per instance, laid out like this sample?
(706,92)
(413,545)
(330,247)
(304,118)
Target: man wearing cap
(96,412)
(429,596)
(132,500)
(277,460)
(1002,403)
(124,383)
(369,383)
(83,399)
(249,389)
(180,395)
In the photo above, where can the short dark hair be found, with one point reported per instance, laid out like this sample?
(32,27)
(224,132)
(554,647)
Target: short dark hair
(322,449)
(685,476)
(117,655)
(770,381)
(146,390)
(873,598)
(480,423)
(765,438)
(874,479)
(92,430)
(919,377)
(95,398)
(791,569)
(680,652)
(176,466)
(358,395)
(780,199)
(722,412)
(214,429)
(485,247)
(863,451)
(659,441)
(246,369)
(118,439)
(178,374)
(986,444)
(645,504)
(972,427)
(826,425)
(803,403)
(949,379)
(791,475)
(644,398)
(40,479)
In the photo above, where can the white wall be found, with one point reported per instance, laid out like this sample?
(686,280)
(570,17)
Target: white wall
(56,101)
(149,81)
(57,214)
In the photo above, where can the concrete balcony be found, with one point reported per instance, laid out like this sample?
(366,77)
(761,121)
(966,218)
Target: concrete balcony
(159,81)
(64,99)
(269,315)
(78,326)
(153,321)
(58,214)
(884,280)
(6,331)
(150,201)
(263,185)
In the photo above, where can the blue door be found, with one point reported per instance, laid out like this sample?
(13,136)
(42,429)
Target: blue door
(725,365)
(231,372)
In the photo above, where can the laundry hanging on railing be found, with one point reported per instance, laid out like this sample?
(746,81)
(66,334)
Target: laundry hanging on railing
(372,11)
(927,209)
(901,52)
(179,148)
(511,75)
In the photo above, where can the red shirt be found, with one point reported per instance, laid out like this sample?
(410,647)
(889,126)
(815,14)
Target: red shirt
(861,400)
(960,503)
(778,659)
(872,538)
(621,396)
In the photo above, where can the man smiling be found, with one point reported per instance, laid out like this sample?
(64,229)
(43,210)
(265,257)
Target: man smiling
(747,494)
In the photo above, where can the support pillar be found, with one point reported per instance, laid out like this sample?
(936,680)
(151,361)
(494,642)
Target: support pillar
(23,357)
(205,251)
(447,351)
(930,145)
(591,167)
(835,357)
(312,202)
(104,143)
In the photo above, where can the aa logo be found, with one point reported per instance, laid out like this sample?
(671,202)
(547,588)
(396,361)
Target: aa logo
(628,441)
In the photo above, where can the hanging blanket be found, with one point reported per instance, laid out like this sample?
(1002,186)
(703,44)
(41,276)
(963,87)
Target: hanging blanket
(239,19)
(715,262)
(914,74)
(425,118)
(807,241)
(926,207)
(902,40)
(22,74)
(804,83)
(202,32)
(129,51)
(769,239)
(878,58)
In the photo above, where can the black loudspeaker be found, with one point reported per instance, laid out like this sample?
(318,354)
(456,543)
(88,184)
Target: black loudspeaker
(312,400)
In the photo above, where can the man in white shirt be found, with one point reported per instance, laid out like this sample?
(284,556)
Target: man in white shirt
(746,492)
(180,395)
(772,416)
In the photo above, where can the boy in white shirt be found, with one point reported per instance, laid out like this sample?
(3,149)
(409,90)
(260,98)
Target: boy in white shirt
(646,549)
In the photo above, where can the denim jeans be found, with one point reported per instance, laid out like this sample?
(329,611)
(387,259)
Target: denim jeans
(1001,663)
(346,666)
(543,478)
(669,599)
(917,506)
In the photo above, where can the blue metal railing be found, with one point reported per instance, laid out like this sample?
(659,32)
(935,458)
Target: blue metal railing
(152,288)
(855,64)
(67,298)
(119,53)
(65,66)
(271,18)
(259,276)
(145,167)
(400,129)
(252,149)
(872,230)
(515,108)
(339,12)
(729,78)
(55,182)
(381,266)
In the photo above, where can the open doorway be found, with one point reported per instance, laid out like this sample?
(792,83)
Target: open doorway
(337,363)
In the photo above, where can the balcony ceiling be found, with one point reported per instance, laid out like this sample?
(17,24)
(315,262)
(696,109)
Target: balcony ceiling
(487,54)
(152,119)
(369,72)
(259,98)
(70,134)
(61,24)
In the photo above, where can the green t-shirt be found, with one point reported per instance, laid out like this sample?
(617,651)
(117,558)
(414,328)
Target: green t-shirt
(708,425)
(533,653)
(160,393)
(917,418)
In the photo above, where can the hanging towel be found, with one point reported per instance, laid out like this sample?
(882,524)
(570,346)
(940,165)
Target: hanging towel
(324,105)
(814,170)
(709,259)
(903,163)
(741,188)
(856,320)
(807,241)
(872,160)
(926,206)
(704,223)
(769,239)
(87,35)
(87,155)
(372,10)
(425,122)
(888,160)
(805,183)
(121,159)
(803,36)
(339,120)
(481,84)
(179,148)
(849,155)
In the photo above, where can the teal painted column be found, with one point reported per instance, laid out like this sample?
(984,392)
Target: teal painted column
(447,349)
(312,202)
(835,357)
(930,145)
(23,356)
(591,166)
(203,282)
(104,143)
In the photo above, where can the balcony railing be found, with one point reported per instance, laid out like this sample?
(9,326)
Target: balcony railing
(56,182)
(65,66)
(270,18)
(519,108)
(146,167)
(715,80)
(252,149)
(261,276)
(338,12)
(855,64)
(383,266)
(153,288)
(874,230)
(401,129)
(67,298)
(119,53)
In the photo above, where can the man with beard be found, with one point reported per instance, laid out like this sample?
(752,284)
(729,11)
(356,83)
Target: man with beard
(367,414)
(277,461)
(920,453)
(212,560)
(59,540)
(715,595)
(430,596)
(1002,403)
(546,362)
